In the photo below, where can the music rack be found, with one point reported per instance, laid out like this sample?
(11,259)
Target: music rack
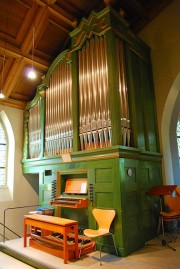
(74,194)
(162,191)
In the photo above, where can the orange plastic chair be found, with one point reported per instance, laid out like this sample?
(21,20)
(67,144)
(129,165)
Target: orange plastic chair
(177,190)
(104,218)
(173,205)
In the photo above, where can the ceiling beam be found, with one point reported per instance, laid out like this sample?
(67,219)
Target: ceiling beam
(58,13)
(12,51)
(138,8)
(38,26)
(14,74)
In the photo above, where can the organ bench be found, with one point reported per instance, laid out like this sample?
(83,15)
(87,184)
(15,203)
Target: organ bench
(53,224)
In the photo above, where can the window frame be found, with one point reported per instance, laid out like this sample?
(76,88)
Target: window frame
(6,155)
(6,192)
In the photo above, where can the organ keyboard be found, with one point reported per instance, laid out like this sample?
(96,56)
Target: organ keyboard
(69,202)
(74,195)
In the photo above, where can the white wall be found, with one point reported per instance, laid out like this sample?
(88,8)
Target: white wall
(25,190)
(163,37)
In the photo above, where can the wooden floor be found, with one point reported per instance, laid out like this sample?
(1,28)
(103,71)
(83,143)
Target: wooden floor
(153,256)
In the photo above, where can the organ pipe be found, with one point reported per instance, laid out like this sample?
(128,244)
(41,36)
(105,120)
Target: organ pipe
(58,125)
(94,111)
(95,124)
(123,93)
(34,131)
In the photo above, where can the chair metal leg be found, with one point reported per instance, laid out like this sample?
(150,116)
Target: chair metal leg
(100,249)
(100,255)
(114,247)
(162,225)
(114,244)
(164,242)
(159,227)
(174,227)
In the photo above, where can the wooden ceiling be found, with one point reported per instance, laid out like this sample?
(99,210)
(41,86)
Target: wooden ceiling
(52,21)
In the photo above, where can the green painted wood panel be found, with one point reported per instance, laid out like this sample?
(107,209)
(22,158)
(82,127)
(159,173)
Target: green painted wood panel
(113,187)
(45,187)
(149,109)
(134,92)
(142,101)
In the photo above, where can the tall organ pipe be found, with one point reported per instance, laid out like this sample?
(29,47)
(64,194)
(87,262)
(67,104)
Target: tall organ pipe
(93,95)
(58,126)
(34,131)
(125,120)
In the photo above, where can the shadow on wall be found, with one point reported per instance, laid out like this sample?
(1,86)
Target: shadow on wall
(33,180)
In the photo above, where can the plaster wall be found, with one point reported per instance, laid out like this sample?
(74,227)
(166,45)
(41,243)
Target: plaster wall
(25,190)
(163,37)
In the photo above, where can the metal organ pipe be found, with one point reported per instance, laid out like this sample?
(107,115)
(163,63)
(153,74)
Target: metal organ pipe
(105,112)
(88,95)
(81,102)
(94,111)
(96,69)
(34,131)
(93,95)
(125,120)
(58,126)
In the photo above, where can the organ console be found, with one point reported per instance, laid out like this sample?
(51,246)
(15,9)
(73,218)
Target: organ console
(61,244)
(73,188)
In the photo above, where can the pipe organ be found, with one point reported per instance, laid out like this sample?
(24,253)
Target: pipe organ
(94,118)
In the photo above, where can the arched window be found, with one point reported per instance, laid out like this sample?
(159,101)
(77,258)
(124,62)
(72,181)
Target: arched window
(3,156)
(7,151)
(178,134)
